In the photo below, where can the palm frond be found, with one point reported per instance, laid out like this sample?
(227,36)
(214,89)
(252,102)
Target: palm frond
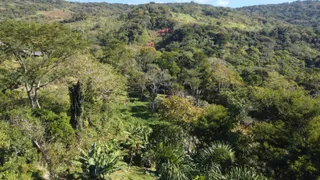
(216,154)
(245,173)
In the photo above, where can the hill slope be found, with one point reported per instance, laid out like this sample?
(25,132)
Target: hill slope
(304,13)
(159,91)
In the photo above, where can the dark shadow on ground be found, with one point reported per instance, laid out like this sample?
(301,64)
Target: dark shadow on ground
(141,111)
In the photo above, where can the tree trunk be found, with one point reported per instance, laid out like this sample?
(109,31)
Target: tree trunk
(30,98)
(36,99)
(198,92)
(153,104)
(33,96)
(48,162)
(153,97)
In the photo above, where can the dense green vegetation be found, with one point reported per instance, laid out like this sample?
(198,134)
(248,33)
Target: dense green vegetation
(159,91)
(300,12)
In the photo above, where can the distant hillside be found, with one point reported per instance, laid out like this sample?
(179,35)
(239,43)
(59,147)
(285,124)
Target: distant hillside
(42,9)
(305,13)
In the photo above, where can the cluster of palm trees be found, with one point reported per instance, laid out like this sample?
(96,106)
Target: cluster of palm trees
(216,161)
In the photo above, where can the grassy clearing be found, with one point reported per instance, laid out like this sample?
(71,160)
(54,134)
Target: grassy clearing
(139,110)
(56,14)
(184,18)
(134,173)
(236,25)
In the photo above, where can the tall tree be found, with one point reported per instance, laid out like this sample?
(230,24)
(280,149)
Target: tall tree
(37,51)
(157,79)
(76,99)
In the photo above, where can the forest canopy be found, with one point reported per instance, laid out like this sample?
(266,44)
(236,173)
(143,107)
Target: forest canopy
(159,91)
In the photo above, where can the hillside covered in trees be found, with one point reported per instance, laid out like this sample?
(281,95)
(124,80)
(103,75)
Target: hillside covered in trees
(159,91)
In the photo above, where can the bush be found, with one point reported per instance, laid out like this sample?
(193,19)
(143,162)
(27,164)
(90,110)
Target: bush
(57,127)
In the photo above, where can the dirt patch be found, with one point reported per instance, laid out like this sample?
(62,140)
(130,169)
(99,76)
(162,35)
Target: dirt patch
(57,14)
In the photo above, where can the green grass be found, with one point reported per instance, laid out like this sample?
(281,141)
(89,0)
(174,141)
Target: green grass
(134,173)
(184,18)
(138,109)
